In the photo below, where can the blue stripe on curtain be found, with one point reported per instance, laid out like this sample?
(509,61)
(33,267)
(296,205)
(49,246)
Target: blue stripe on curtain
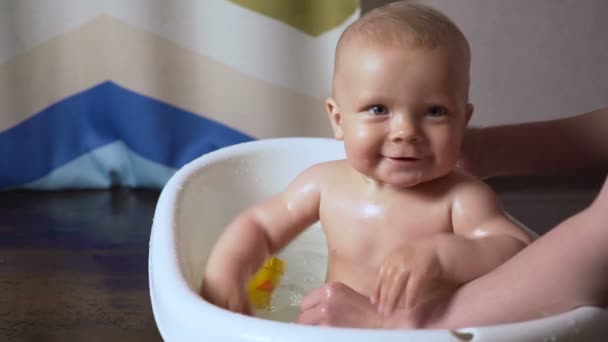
(106,113)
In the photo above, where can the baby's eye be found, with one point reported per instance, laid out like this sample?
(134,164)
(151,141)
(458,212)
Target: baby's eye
(378,110)
(436,111)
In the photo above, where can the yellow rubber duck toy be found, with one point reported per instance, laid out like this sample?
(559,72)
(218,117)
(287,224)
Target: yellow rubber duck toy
(264,282)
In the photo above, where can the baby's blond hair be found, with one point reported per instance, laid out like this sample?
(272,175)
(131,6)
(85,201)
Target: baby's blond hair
(406,23)
(424,25)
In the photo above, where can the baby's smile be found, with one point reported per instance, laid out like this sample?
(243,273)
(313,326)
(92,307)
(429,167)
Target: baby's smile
(403,160)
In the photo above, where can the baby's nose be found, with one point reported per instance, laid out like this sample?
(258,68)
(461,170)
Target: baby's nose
(404,128)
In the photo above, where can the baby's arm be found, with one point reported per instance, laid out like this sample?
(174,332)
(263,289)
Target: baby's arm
(258,232)
(484,237)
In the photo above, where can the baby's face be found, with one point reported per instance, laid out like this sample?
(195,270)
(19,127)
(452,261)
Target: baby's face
(401,111)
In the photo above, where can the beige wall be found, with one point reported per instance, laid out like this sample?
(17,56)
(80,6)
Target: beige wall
(532,59)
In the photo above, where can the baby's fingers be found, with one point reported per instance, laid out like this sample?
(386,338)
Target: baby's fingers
(394,291)
(375,297)
(412,291)
(239,304)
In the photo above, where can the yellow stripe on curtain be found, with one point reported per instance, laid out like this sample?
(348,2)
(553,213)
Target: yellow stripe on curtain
(313,17)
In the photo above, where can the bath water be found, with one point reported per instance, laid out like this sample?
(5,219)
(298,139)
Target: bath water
(305,269)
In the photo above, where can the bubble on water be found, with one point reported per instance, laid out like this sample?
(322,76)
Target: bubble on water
(280,297)
(286,296)
(296,296)
(305,270)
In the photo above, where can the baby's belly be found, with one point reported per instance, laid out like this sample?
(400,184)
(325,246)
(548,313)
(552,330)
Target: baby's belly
(360,277)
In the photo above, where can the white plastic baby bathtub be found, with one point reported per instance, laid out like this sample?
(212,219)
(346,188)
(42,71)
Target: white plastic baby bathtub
(204,195)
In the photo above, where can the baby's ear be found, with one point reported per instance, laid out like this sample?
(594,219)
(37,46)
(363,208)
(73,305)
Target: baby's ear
(334,118)
(468,112)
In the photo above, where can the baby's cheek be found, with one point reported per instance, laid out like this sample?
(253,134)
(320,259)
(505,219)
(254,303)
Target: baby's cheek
(361,160)
(448,150)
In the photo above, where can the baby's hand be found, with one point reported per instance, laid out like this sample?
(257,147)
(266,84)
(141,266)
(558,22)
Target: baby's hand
(407,270)
(227,293)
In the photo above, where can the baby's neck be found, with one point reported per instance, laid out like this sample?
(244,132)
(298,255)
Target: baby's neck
(379,186)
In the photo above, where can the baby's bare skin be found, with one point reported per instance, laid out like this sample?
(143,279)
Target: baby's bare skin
(363,221)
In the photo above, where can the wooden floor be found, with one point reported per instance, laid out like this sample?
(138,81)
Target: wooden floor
(73,265)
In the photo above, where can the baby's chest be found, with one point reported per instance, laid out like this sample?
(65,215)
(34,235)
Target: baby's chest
(359,228)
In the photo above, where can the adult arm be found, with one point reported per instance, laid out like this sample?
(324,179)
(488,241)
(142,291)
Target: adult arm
(549,147)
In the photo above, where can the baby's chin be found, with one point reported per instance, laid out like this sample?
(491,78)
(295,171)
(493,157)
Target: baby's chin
(400,181)
(404,184)
(411,181)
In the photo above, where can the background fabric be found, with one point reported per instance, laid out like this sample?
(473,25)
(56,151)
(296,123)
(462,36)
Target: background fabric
(96,94)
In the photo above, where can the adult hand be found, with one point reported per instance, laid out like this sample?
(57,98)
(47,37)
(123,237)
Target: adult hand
(336,304)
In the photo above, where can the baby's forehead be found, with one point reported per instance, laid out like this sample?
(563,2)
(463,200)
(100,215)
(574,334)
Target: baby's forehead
(450,65)
(355,50)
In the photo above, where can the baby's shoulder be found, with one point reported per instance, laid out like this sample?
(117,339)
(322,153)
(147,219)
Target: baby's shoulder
(323,173)
(471,194)
(330,168)
(465,186)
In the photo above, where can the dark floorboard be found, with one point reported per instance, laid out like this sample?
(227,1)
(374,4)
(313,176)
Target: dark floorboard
(73,264)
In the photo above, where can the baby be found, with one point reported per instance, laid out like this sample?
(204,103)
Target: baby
(400,221)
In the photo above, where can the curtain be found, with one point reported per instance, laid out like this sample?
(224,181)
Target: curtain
(95,94)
